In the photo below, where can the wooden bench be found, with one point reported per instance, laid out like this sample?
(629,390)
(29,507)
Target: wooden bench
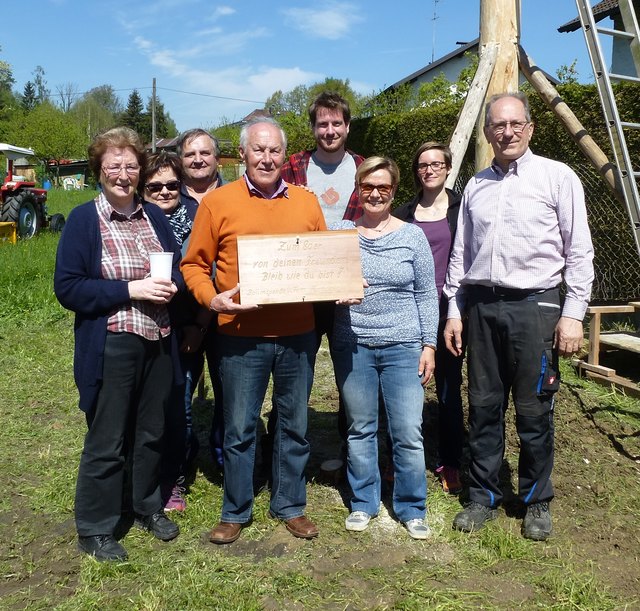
(619,340)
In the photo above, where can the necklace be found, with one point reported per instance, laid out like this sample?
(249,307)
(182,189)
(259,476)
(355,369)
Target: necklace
(378,229)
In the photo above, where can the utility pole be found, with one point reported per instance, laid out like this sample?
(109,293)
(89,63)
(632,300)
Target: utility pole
(153,116)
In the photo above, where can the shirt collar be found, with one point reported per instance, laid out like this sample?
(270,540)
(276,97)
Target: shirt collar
(513,165)
(111,214)
(282,189)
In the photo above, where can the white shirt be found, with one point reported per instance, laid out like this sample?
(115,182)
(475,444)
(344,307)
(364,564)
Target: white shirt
(523,229)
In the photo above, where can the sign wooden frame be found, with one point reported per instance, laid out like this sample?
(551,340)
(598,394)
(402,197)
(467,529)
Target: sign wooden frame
(293,268)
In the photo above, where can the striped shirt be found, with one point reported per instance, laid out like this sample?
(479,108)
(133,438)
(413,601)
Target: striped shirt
(523,229)
(126,244)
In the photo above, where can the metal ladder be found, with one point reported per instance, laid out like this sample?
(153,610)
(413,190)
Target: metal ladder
(628,177)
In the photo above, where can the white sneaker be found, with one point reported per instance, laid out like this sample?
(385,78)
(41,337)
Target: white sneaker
(417,528)
(357,521)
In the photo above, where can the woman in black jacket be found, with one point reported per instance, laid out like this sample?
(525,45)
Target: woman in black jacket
(125,352)
(435,209)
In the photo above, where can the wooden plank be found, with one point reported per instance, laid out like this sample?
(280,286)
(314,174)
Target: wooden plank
(612,309)
(604,371)
(292,268)
(623,341)
(594,339)
(629,388)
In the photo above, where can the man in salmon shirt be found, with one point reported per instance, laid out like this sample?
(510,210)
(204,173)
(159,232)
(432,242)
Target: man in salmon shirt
(256,343)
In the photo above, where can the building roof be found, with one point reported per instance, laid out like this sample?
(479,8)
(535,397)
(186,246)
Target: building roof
(258,113)
(166,143)
(606,8)
(461,50)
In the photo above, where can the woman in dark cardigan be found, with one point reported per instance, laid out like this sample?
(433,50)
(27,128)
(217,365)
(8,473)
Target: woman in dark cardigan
(435,209)
(125,354)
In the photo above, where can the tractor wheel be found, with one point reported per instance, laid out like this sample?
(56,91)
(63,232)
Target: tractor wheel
(56,223)
(23,211)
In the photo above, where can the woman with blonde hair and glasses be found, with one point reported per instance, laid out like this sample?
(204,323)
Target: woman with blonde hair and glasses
(434,209)
(125,353)
(386,342)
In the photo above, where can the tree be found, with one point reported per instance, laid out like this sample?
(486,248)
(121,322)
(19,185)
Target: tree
(165,126)
(568,74)
(97,111)
(7,99)
(51,133)
(6,76)
(133,116)
(67,92)
(40,83)
(297,100)
(228,135)
(106,96)
(29,96)
(388,101)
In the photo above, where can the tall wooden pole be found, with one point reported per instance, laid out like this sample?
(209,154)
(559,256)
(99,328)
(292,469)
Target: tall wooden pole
(499,23)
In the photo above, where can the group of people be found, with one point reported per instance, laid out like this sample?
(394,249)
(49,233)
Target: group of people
(493,258)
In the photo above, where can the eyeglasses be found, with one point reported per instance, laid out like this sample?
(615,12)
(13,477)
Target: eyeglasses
(156,187)
(516,126)
(116,170)
(367,189)
(436,166)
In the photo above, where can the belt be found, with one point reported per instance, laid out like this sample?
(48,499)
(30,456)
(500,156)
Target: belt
(502,292)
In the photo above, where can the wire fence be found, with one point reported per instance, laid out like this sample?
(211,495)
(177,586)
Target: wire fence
(616,260)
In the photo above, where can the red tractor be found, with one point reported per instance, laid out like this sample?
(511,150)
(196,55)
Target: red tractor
(22,203)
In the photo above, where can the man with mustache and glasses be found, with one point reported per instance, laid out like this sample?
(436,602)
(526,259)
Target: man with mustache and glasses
(199,153)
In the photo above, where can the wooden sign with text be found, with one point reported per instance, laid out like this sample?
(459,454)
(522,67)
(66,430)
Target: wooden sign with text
(290,268)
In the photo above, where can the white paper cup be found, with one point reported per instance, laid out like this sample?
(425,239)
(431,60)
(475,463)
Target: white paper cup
(161,263)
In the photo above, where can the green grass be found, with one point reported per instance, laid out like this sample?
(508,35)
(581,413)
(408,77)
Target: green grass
(59,200)
(41,440)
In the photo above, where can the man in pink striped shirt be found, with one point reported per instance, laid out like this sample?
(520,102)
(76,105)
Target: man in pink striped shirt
(522,231)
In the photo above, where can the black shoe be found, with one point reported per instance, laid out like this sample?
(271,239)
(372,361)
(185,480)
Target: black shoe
(102,547)
(158,524)
(537,522)
(473,517)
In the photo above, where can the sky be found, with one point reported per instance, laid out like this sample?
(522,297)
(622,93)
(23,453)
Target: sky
(217,61)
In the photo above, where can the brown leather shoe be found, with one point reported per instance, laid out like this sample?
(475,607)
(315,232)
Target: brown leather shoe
(301,527)
(225,532)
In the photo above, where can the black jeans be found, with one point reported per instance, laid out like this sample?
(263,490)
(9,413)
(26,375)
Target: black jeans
(126,425)
(510,351)
(448,376)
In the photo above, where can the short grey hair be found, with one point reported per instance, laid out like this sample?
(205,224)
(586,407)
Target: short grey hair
(192,134)
(244,132)
(518,95)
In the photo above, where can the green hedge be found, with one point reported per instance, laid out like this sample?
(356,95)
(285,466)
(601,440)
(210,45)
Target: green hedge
(398,135)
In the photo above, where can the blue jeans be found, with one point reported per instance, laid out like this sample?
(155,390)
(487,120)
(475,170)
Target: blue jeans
(360,371)
(246,364)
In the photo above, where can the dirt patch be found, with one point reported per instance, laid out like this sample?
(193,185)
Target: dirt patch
(597,482)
